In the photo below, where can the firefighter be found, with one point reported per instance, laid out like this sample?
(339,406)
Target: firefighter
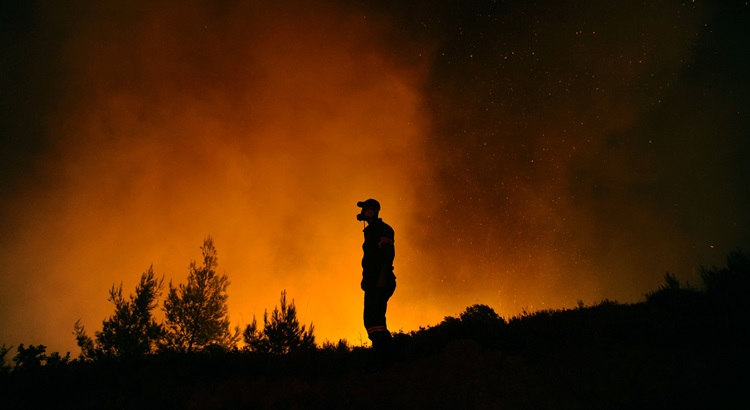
(378,280)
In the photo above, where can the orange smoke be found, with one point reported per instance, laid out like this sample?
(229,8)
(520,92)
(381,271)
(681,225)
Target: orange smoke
(261,128)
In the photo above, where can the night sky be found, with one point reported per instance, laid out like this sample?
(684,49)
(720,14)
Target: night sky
(529,154)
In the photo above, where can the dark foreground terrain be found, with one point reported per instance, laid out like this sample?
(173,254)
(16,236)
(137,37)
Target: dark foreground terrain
(679,349)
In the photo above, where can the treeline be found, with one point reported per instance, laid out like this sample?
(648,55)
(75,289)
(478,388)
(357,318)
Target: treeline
(684,346)
(196,320)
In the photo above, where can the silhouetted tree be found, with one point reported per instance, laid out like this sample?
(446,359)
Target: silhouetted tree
(132,330)
(32,357)
(4,366)
(733,280)
(89,350)
(281,334)
(54,359)
(197,313)
(674,293)
(478,322)
(482,314)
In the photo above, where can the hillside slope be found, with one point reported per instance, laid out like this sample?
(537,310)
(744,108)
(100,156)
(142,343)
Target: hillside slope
(681,350)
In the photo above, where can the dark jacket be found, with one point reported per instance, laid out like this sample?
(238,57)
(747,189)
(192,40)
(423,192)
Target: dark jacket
(378,255)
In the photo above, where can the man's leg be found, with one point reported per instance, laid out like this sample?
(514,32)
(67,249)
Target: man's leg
(376,303)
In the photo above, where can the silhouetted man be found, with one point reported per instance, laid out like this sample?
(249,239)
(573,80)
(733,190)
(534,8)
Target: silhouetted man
(378,280)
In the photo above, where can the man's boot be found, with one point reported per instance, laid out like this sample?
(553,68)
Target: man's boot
(382,347)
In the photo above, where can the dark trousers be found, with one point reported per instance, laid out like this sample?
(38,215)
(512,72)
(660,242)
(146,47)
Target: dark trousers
(376,303)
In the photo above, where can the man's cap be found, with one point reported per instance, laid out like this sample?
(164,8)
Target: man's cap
(369,204)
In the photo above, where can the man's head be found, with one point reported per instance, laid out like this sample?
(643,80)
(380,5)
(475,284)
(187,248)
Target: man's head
(370,210)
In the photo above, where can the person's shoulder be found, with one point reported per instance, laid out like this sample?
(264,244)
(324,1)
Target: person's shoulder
(385,227)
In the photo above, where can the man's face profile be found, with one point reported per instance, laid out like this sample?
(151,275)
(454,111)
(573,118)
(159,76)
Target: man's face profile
(368,213)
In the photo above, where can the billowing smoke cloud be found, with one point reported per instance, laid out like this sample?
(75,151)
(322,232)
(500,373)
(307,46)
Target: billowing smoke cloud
(259,126)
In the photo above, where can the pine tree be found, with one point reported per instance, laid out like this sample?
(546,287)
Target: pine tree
(132,330)
(281,334)
(197,313)
(4,366)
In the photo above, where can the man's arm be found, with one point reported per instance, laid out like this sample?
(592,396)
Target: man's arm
(387,253)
